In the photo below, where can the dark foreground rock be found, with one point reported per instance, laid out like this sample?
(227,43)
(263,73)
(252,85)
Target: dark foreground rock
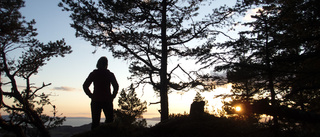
(205,126)
(62,131)
(67,131)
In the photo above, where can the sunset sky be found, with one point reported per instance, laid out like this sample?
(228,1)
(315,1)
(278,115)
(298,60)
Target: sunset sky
(68,74)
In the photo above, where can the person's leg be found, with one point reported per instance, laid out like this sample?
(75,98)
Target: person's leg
(108,112)
(95,114)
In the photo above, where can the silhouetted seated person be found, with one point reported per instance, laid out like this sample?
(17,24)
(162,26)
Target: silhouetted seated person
(197,109)
(101,98)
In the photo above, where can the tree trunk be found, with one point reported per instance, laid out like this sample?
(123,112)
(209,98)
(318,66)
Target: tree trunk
(270,80)
(163,71)
(36,121)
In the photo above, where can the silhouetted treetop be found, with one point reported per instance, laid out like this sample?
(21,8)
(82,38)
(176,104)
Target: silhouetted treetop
(146,32)
(275,58)
(21,56)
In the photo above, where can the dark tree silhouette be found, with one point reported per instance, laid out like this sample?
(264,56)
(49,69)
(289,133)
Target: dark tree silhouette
(198,97)
(147,32)
(25,106)
(131,107)
(277,57)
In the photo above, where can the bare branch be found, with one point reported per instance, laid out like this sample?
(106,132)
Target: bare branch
(36,90)
(152,103)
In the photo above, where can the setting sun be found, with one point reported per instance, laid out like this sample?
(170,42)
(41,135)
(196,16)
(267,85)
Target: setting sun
(238,108)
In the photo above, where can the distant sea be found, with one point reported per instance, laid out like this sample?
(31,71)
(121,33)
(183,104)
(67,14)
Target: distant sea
(79,121)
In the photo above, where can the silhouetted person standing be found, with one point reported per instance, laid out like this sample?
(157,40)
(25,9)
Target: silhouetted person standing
(101,98)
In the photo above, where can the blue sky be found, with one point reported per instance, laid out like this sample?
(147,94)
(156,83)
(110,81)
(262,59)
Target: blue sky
(67,74)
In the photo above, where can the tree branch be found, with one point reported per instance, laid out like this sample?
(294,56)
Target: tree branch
(152,103)
(35,91)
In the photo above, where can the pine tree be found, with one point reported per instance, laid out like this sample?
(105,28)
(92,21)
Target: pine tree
(131,107)
(276,57)
(146,32)
(25,106)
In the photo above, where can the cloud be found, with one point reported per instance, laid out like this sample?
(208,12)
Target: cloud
(251,13)
(64,88)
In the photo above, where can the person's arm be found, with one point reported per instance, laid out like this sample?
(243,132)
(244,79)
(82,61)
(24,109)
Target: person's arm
(86,86)
(115,87)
